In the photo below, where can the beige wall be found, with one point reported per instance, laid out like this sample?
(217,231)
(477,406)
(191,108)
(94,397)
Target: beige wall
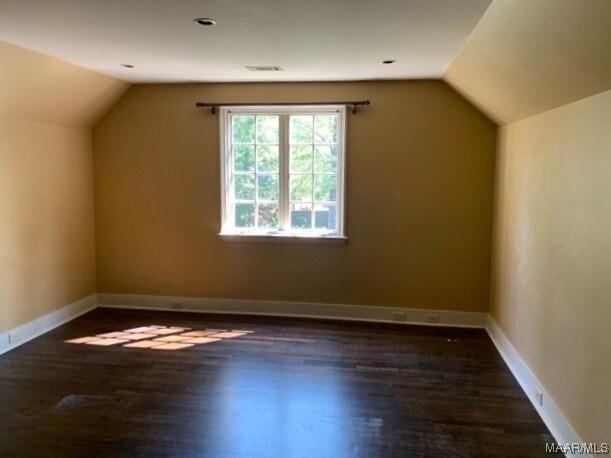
(47,256)
(47,249)
(551,276)
(419,200)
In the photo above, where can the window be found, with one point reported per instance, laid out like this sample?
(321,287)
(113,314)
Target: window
(283,171)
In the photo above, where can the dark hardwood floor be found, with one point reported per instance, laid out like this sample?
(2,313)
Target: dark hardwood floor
(294,388)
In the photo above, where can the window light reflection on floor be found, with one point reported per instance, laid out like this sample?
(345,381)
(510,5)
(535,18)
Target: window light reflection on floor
(159,337)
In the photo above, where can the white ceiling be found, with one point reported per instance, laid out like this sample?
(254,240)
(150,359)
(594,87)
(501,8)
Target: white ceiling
(311,39)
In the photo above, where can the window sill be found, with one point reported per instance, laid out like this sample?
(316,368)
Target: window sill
(285,238)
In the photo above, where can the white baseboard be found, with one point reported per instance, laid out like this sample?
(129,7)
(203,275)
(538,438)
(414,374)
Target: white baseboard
(548,411)
(26,332)
(293,309)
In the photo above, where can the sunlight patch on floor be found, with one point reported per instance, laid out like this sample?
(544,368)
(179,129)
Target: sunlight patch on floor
(160,337)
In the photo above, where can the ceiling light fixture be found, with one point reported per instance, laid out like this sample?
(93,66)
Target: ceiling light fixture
(127,65)
(204,21)
(388,62)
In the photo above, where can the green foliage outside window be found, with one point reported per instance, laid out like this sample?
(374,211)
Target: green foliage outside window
(313,155)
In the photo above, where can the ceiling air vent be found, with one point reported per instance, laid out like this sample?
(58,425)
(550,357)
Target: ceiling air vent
(264,68)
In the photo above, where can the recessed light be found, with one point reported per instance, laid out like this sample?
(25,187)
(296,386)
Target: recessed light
(204,21)
(127,65)
(264,68)
(388,62)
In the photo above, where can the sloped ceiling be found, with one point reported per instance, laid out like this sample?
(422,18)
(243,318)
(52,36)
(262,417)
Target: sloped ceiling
(529,56)
(524,57)
(40,88)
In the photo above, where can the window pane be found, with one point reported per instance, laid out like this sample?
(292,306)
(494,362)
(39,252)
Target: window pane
(326,129)
(325,217)
(267,129)
(244,187)
(244,215)
(267,159)
(268,216)
(325,188)
(325,159)
(308,179)
(268,187)
(301,129)
(301,216)
(244,158)
(301,188)
(243,129)
(301,158)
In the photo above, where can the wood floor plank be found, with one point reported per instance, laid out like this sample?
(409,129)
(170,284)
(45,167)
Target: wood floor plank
(291,388)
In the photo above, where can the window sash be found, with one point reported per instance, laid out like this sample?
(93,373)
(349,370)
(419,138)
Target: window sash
(228,200)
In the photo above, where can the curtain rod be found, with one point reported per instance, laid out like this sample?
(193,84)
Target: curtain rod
(213,106)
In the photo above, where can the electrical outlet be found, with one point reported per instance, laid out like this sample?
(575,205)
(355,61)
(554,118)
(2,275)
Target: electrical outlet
(176,304)
(539,395)
(14,336)
(399,316)
(432,318)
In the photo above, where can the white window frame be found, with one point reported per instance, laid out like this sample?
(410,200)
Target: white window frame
(228,230)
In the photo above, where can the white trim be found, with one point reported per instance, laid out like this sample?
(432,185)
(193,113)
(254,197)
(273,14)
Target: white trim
(225,162)
(294,309)
(284,238)
(284,212)
(549,412)
(46,323)
(340,211)
(227,174)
